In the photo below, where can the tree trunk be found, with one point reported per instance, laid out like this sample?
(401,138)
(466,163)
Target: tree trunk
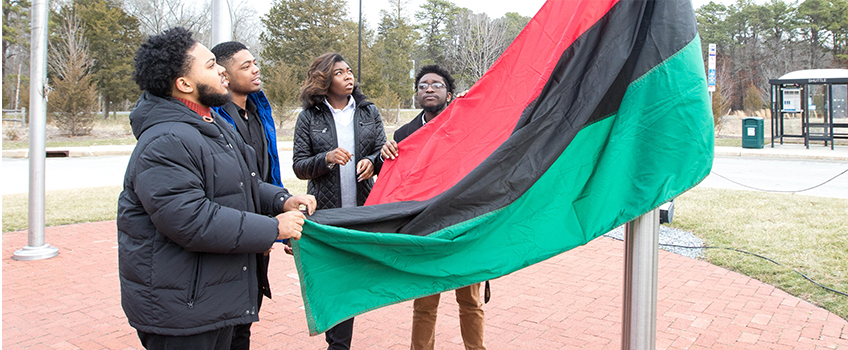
(106,104)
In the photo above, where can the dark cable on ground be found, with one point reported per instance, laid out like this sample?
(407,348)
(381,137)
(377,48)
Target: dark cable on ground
(761,257)
(779,191)
(754,254)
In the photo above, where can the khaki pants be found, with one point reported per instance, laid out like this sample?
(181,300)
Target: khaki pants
(470,319)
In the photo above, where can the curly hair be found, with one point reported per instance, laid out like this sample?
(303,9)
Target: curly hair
(162,59)
(435,69)
(224,51)
(318,80)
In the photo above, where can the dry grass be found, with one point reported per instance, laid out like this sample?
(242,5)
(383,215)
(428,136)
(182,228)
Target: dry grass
(809,234)
(113,131)
(89,204)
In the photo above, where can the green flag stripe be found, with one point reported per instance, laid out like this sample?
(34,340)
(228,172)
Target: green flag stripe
(658,145)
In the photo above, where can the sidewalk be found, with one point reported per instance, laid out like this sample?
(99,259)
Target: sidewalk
(787,151)
(790,151)
(573,300)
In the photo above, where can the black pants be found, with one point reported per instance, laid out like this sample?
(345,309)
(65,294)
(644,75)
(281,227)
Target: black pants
(241,332)
(219,339)
(339,337)
(241,337)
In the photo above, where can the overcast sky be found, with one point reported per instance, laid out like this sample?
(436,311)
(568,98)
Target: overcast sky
(493,8)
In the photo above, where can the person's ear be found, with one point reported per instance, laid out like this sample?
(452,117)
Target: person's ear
(449,97)
(184,85)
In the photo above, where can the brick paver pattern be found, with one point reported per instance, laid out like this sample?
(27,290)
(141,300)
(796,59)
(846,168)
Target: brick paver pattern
(571,301)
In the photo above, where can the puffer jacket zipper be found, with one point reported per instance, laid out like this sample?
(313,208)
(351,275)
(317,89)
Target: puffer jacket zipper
(195,282)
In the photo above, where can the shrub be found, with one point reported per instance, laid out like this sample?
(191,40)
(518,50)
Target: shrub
(73,101)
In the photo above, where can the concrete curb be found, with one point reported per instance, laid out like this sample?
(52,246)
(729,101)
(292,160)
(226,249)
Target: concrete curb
(785,151)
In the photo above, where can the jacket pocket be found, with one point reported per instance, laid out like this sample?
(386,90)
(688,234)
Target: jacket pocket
(195,282)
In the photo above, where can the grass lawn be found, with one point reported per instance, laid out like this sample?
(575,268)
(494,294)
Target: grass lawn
(89,204)
(728,142)
(734,142)
(809,234)
(71,142)
(112,131)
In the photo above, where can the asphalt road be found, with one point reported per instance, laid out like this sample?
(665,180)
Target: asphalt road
(82,172)
(784,175)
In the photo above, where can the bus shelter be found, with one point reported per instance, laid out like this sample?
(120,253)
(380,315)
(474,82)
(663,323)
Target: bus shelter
(810,104)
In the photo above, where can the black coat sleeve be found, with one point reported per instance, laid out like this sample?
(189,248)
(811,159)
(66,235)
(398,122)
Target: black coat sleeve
(272,198)
(169,184)
(305,162)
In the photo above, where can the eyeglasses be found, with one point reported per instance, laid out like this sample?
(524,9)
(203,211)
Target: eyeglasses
(436,86)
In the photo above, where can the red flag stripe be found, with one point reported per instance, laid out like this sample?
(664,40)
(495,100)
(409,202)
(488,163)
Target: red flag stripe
(445,150)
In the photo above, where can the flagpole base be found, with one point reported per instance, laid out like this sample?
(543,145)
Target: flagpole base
(28,253)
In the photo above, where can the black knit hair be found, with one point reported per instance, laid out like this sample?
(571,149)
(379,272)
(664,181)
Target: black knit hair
(162,59)
(435,69)
(224,51)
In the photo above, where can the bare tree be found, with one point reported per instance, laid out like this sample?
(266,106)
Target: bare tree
(74,99)
(476,43)
(723,95)
(246,25)
(155,16)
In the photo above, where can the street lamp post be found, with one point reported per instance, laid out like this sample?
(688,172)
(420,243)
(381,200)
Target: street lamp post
(359,51)
(412,76)
(222,24)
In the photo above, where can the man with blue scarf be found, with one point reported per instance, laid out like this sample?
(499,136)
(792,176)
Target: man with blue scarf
(250,113)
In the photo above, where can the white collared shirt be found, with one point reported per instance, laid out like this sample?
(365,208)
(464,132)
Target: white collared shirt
(345,138)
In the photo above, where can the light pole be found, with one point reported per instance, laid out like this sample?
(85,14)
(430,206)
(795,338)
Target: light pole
(412,76)
(222,24)
(359,51)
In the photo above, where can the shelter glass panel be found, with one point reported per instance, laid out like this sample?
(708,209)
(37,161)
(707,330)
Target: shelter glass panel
(840,103)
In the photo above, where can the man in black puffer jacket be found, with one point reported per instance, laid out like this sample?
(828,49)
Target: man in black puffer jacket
(192,215)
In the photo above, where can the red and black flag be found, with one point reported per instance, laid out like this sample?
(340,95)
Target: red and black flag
(596,114)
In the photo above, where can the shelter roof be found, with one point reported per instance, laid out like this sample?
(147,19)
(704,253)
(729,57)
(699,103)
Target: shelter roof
(816,74)
(813,76)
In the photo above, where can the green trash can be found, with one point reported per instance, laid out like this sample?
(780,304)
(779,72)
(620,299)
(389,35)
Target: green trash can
(752,132)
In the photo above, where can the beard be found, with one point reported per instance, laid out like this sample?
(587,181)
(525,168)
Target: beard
(209,98)
(436,109)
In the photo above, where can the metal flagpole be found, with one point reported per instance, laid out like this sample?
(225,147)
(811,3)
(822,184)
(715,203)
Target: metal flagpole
(36,249)
(641,248)
(222,24)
